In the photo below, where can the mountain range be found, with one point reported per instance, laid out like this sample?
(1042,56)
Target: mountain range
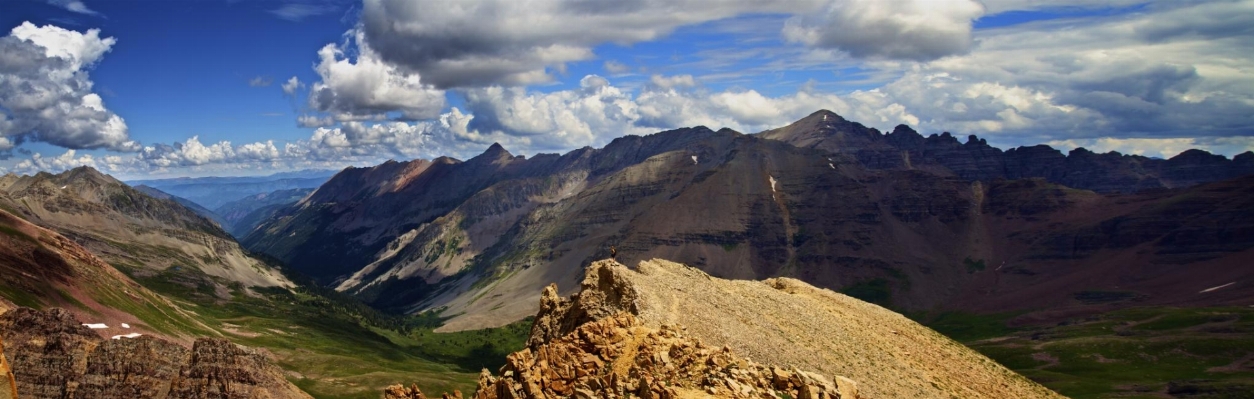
(916,223)
(944,155)
(1024,254)
(132,230)
(214,192)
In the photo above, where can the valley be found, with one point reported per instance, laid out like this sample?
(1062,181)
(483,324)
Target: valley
(1139,352)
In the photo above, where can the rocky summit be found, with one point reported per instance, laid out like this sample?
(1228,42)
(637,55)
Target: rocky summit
(666,330)
(55,356)
(618,356)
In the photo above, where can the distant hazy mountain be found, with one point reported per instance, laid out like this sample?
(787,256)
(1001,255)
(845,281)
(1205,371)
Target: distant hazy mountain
(479,238)
(214,192)
(241,216)
(200,210)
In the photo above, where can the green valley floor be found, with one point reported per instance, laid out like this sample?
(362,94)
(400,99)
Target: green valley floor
(1196,353)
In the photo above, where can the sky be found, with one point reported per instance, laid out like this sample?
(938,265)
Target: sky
(147,88)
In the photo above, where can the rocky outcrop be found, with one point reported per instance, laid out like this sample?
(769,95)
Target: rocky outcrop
(8,387)
(54,356)
(412,392)
(666,330)
(618,356)
(788,322)
(218,368)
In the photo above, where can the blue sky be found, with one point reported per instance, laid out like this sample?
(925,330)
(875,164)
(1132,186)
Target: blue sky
(381,79)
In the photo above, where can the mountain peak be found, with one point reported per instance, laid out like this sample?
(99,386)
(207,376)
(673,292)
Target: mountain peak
(495,152)
(496,147)
(824,114)
(77,177)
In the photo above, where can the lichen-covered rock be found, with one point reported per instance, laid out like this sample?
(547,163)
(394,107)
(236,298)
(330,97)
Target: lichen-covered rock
(54,356)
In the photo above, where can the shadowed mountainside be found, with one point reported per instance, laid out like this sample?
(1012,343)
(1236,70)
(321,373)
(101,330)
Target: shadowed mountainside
(241,216)
(943,154)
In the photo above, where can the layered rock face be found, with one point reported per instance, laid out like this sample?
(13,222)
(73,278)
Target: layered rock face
(666,330)
(54,356)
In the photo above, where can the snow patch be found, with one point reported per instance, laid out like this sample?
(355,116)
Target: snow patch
(694,159)
(124,325)
(829,164)
(131,335)
(95,326)
(1215,288)
(772,183)
(824,116)
(63,187)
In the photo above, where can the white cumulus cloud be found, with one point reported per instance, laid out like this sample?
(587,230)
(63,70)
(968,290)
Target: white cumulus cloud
(483,42)
(366,87)
(903,29)
(46,92)
(291,85)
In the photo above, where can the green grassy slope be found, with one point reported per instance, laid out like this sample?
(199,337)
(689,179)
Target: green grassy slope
(334,347)
(1132,353)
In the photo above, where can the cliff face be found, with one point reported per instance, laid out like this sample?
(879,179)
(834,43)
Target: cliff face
(54,356)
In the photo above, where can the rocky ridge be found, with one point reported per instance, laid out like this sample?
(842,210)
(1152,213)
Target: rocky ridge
(666,330)
(976,160)
(618,357)
(54,356)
